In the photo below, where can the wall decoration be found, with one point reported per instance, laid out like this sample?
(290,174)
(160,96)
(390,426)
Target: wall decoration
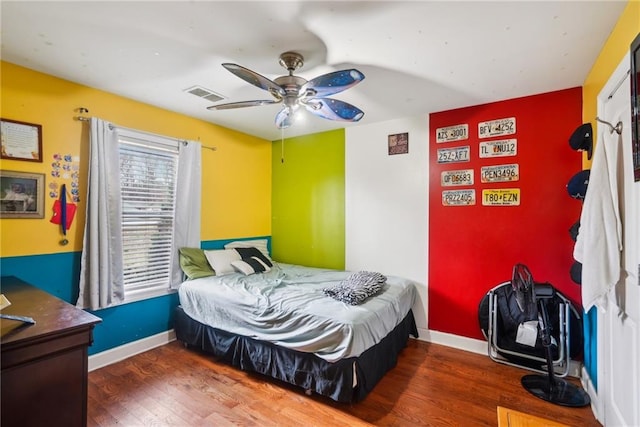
(22,195)
(398,143)
(65,169)
(500,173)
(20,140)
(453,178)
(497,127)
(452,133)
(499,148)
(459,197)
(635,105)
(501,197)
(454,155)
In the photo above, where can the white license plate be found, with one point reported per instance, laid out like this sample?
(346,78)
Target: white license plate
(454,155)
(500,173)
(452,133)
(497,127)
(459,197)
(453,178)
(501,197)
(499,148)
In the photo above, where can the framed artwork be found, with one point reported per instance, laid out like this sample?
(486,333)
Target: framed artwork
(21,140)
(398,143)
(635,105)
(21,194)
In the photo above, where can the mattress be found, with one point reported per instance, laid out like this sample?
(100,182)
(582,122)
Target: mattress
(287,307)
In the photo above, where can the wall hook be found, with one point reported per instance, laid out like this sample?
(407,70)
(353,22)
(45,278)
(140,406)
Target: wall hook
(617,128)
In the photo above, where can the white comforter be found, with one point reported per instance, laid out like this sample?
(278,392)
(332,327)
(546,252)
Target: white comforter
(286,306)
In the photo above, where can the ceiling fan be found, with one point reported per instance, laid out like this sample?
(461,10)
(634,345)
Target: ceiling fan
(293,91)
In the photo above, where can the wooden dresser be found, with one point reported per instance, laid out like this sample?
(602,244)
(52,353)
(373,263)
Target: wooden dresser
(44,366)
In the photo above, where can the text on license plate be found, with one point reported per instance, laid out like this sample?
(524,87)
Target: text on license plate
(499,148)
(452,178)
(497,127)
(500,173)
(452,133)
(459,197)
(501,197)
(454,155)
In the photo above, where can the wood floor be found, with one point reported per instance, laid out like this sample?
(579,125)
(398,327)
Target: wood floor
(432,385)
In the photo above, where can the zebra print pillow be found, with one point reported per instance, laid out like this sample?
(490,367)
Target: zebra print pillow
(357,287)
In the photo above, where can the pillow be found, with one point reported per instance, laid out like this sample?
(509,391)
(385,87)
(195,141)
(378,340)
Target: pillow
(255,253)
(260,244)
(220,260)
(194,263)
(250,265)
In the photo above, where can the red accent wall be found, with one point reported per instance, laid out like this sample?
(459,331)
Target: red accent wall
(474,248)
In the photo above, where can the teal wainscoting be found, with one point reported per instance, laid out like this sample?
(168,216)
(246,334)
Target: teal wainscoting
(58,274)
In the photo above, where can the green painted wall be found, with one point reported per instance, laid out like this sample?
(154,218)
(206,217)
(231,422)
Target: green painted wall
(307,206)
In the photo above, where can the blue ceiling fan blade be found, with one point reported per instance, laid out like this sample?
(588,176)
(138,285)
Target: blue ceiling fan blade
(328,84)
(333,109)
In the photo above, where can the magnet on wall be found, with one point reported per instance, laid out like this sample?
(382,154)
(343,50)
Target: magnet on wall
(582,139)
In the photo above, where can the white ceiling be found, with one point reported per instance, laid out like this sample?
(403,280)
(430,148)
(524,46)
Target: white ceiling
(418,56)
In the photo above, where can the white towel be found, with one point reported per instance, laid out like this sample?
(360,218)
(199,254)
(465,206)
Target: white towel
(599,243)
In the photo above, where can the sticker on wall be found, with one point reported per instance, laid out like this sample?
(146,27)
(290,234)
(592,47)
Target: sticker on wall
(459,197)
(65,170)
(453,178)
(499,148)
(454,155)
(500,173)
(398,143)
(497,127)
(501,197)
(452,133)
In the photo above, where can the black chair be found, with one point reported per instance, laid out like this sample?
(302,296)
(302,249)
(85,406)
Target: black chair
(544,386)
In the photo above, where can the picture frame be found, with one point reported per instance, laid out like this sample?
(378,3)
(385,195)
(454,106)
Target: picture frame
(635,105)
(398,143)
(21,194)
(20,140)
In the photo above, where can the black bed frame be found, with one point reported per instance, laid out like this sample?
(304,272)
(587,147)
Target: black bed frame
(306,370)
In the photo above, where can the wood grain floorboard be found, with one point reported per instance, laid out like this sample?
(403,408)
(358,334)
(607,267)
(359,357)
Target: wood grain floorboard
(432,385)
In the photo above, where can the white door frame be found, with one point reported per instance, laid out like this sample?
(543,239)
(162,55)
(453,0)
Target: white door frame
(597,397)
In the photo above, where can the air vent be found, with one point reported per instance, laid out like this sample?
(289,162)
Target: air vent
(207,94)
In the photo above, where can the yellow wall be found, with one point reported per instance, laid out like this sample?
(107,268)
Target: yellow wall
(616,47)
(236,179)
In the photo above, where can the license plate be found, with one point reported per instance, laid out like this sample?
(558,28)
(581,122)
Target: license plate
(499,148)
(459,197)
(452,133)
(501,197)
(453,178)
(454,155)
(497,127)
(500,173)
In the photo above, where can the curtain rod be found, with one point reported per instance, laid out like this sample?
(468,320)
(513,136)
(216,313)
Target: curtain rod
(87,119)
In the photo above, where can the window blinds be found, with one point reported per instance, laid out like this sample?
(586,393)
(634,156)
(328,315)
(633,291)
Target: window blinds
(148,186)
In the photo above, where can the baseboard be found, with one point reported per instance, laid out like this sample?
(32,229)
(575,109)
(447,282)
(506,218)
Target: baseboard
(455,341)
(596,403)
(124,351)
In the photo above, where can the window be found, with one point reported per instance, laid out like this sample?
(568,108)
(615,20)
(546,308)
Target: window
(148,193)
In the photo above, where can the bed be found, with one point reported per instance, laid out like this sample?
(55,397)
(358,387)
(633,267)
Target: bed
(282,323)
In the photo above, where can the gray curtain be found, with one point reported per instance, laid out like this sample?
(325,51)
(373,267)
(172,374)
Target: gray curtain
(188,205)
(101,283)
(101,271)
